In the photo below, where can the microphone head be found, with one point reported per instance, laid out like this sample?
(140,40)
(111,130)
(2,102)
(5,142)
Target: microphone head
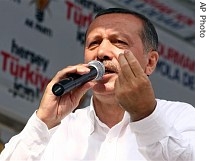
(99,67)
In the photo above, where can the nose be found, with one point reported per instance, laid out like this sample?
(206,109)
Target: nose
(105,50)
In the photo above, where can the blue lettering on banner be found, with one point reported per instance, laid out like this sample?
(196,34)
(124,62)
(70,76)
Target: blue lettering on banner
(80,36)
(165,69)
(39,27)
(176,74)
(29,55)
(24,91)
(188,80)
(89,5)
(162,18)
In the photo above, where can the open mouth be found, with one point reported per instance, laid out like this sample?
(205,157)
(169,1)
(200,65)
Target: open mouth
(108,71)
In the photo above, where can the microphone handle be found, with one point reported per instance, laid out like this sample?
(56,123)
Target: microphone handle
(73,81)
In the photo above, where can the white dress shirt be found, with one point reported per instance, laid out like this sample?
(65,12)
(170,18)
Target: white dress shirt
(167,134)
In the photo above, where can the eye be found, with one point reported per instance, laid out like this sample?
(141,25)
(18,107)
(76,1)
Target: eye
(120,43)
(93,44)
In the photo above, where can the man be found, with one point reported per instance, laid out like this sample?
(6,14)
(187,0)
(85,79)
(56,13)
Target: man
(124,120)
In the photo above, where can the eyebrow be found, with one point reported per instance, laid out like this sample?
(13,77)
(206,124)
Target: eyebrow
(116,34)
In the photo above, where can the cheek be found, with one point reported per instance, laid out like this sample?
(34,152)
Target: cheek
(145,66)
(88,56)
(142,59)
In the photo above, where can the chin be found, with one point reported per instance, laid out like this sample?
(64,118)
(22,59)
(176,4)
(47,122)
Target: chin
(106,84)
(103,88)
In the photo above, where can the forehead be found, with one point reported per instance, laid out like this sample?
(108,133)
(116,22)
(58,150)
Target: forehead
(116,21)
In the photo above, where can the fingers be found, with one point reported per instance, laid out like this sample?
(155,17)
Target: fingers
(79,69)
(130,67)
(133,90)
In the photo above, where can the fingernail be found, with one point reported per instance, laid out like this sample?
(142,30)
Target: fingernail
(126,51)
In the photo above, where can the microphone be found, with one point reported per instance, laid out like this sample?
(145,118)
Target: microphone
(74,80)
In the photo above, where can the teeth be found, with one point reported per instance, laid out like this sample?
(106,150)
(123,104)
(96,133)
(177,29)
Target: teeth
(109,71)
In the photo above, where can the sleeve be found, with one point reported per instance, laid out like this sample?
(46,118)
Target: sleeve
(167,134)
(30,143)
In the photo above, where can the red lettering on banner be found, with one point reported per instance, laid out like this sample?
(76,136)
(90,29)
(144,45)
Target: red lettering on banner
(5,60)
(79,18)
(69,8)
(185,19)
(167,10)
(12,66)
(176,57)
(160,6)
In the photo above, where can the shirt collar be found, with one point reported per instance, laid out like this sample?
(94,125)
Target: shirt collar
(91,115)
(94,119)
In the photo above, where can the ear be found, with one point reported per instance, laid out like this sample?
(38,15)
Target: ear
(152,57)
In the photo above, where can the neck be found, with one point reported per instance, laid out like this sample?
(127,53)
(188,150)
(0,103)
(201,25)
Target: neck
(108,110)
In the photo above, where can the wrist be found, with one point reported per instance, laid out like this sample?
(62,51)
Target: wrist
(50,123)
(144,112)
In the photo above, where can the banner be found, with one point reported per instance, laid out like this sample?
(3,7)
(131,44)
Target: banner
(175,17)
(40,37)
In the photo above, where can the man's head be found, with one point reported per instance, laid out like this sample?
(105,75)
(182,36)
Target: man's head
(148,34)
(115,30)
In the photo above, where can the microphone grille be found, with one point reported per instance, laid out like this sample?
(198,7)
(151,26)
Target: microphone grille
(99,67)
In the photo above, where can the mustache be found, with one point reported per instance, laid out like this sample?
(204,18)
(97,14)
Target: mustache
(110,66)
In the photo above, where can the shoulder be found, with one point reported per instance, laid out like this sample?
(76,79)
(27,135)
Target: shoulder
(174,108)
(175,111)
(165,104)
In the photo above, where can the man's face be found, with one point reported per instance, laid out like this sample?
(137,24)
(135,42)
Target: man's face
(107,37)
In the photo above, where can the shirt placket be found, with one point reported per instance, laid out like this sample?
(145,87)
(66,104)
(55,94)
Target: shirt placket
(108,149)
